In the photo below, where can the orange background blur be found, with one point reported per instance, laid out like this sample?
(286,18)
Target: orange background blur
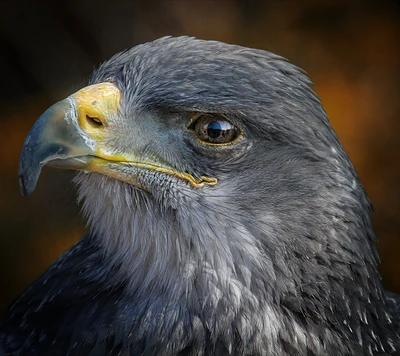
(350,49)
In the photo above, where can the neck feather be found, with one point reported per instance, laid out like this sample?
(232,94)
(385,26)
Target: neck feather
(159,252)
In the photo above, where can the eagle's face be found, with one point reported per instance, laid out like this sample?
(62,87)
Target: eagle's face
(212,179)
(213,145)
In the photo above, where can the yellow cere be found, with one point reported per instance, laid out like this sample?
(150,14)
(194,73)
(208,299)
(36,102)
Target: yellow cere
(93,103)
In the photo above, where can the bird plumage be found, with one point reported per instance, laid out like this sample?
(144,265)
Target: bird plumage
(278,258)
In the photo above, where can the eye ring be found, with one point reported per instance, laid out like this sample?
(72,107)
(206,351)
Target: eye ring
(215,130)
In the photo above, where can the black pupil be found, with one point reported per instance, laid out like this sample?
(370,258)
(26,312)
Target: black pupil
(214,129)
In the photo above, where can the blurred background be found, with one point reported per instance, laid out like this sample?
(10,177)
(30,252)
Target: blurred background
(350,49)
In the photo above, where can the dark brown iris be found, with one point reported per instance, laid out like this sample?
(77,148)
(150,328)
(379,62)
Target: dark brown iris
(215,129)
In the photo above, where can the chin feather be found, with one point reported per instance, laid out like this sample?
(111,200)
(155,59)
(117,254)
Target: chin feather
(116,214)
(156,247)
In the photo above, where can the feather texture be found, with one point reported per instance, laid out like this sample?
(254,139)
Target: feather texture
(278,258)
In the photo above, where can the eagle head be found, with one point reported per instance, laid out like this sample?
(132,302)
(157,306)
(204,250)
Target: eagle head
(220,197)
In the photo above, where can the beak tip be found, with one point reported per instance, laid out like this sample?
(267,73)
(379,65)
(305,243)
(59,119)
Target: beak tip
(28,175)
(26,188)
(22,186)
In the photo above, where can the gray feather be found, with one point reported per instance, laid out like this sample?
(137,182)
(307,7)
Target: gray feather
(278,258)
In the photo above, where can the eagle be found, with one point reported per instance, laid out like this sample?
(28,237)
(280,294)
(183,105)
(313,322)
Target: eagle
(225,216)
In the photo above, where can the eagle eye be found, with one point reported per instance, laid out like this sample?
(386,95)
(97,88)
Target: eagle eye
(214,129)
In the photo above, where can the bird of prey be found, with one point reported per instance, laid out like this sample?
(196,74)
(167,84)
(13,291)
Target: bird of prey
(226,218)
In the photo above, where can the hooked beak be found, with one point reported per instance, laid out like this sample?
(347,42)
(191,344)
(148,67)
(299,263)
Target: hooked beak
(66,134)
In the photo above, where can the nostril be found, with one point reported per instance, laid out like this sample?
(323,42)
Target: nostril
(94,121)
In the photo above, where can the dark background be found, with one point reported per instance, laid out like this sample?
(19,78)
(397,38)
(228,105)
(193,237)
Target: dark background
(350,49)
